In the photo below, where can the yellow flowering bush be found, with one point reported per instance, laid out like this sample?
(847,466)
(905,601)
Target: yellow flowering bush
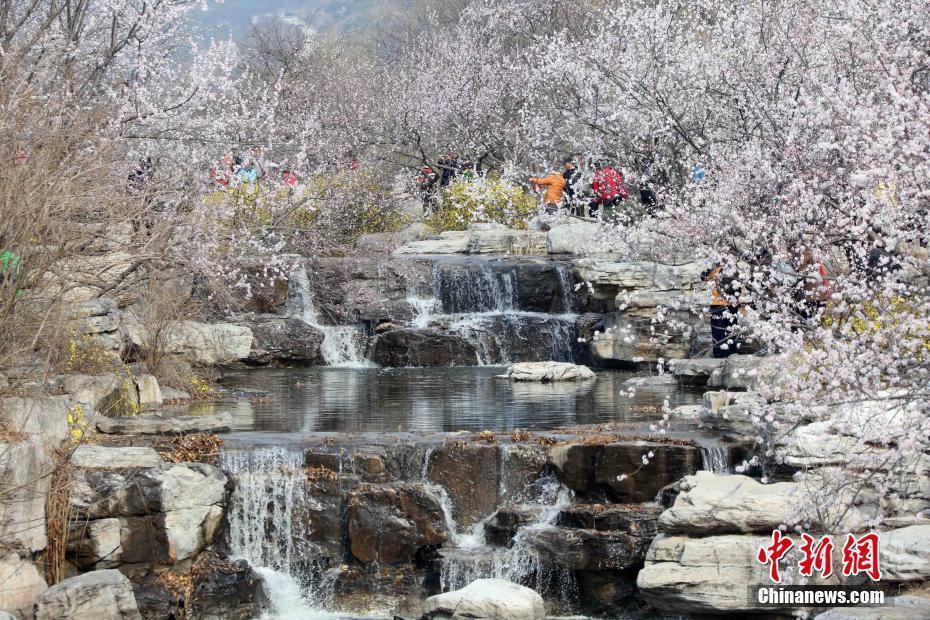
(483,199)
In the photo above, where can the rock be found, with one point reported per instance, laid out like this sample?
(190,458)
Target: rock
(507,241)
(91,596)
(469,473)
(164,515)
(96,544)
(686,412)
(578,237)
(735,415)
(449,242)
(896,608)
(745,372)
(267,288)
(905,554)
(634,519)
(588,549)
(390,524)
(421,347)
(173,425)
(170,395)
(703,575)
(103,457)
(490,599)
(150,396)
(592,470)
(25,471)
(284,340)
(608,279)
(696,371)
(229,591)
(387,242)
(46,417)
(200,343)
(502,526)
(112,394)
(711,504)
(815,445)
(633,337)
(489,240)
(98,322)
(548,372)
(22,583)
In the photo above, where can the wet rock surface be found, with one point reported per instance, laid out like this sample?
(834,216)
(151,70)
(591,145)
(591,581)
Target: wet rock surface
(277,340)
(421,347)
(390,524)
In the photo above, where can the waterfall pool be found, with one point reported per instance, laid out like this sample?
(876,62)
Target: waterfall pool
(324,399)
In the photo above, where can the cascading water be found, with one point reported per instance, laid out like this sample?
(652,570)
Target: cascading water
(268,527)
(717,459)
(479,301)
(470,559)
(343,345)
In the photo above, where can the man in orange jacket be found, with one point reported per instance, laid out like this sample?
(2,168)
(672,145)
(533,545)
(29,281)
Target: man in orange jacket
(555,183)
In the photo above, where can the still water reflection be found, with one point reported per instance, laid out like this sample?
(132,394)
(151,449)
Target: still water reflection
(434,399)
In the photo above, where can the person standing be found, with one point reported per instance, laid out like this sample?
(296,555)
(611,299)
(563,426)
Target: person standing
(450,169)
(608,187)
(572,176)
(554,182)
(724,309)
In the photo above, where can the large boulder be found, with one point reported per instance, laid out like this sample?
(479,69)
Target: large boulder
(160,515)
(547,372)
(113,394)
(712,504)
(199,343)
(469,473)
(422,347)
(284,340)
(390,524)
(21,584)
(46,417)
(25,472)
(577,237)
(600,471)
(489,599)
(608,279)
(709,575)
(91,596)
(905,554)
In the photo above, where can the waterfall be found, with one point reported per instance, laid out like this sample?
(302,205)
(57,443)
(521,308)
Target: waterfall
(268,527)
(717,459)
(480,302)
(471,559)
(343,345)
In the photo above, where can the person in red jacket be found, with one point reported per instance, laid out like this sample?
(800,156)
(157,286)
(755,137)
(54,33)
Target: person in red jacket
(608,187)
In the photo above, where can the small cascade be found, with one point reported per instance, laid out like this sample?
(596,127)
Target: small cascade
(566,289)
(717,459)
(471,559)
(343,345)
(473,287)
(268,527)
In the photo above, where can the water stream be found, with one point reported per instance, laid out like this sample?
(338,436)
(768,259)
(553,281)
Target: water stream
(343,345)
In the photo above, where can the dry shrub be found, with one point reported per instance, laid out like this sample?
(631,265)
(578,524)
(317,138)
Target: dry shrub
(194,448)
(317,474)
(58,517)
(165,302)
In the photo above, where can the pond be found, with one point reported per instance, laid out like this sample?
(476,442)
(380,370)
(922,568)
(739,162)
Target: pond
(322,399)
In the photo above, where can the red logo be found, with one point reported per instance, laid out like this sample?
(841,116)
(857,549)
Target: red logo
(860,555)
